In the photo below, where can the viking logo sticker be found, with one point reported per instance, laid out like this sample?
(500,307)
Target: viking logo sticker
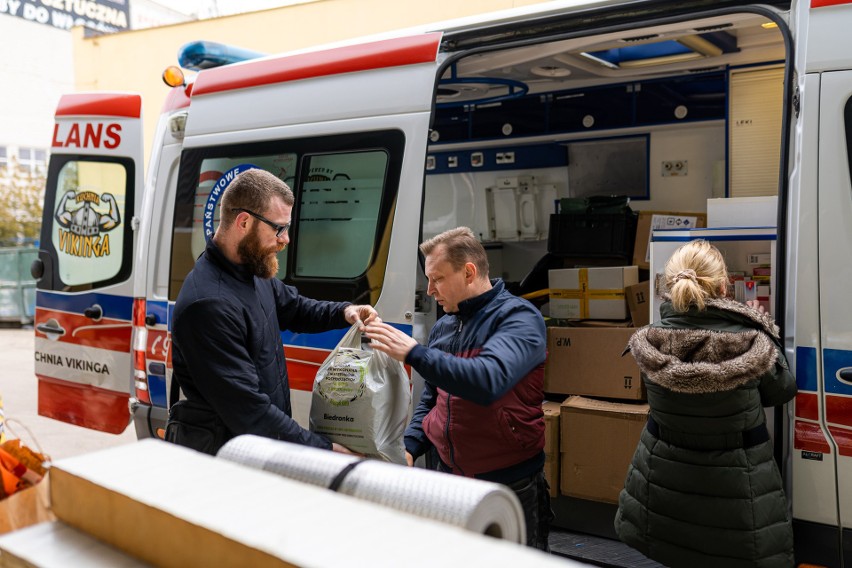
(84,219)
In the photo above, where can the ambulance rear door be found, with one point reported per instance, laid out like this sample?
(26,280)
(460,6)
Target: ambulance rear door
(84,296)
(347,128)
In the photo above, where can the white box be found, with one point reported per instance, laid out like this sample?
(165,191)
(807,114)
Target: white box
(742,212)
(591,293)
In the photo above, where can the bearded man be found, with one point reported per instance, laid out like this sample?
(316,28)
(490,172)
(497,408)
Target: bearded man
(226,343)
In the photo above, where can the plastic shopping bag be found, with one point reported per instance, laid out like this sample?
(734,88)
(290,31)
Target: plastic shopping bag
(362,400)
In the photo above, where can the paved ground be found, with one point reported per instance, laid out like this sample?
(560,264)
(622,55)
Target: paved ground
(19,391)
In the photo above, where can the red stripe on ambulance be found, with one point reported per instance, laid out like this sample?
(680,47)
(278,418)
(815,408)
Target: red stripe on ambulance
(809,437)
(374,55)
(113,334)
(843,439)
(824,3)
(105,410)
(302,366)
(807,405)
(100,104)
(838,409)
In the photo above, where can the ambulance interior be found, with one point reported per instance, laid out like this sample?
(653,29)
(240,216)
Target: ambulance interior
(565,154)
(667,117)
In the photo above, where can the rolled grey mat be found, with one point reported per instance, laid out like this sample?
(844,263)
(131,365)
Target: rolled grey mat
(479,506)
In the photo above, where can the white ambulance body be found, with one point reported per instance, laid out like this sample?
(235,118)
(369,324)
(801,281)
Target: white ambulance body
(485,123)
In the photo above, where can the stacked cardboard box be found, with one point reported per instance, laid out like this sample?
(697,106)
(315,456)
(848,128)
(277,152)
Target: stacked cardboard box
(590,293)
(551,445)
(600,429)
(590,361)
(598,439)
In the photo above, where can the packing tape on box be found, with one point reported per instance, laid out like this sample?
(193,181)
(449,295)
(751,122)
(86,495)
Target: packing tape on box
(479,506)
(584,294)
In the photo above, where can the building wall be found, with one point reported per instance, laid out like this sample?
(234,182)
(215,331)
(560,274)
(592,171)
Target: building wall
(37,67)
(134,60)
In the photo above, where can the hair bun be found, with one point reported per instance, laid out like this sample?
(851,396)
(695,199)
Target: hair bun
(686,274)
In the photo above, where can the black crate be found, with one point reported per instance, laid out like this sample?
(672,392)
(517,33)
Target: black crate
(593,234)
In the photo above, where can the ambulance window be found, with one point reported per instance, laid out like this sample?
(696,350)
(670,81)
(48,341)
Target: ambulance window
(197,214)
(345,187)
(339,203)
(89,225)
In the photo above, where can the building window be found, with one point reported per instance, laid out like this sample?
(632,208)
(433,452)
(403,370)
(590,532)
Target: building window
(4,158)
(32,160)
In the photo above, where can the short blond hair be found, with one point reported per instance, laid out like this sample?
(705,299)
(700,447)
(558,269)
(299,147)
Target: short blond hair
(460,247)
(695,273)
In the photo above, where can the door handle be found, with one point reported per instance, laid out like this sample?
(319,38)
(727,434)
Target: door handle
(47,329)
(94,312)
(844,375)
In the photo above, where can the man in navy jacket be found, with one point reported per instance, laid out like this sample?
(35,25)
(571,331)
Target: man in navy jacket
(484,374)
(227,352)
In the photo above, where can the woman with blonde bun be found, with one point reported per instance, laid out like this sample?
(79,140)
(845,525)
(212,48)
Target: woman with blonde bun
(703,488)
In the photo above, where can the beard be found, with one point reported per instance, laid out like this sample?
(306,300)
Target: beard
(262,262)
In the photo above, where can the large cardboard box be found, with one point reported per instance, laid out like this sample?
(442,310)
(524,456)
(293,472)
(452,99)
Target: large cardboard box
(590,293)
(639,302)
(649,220)
(551,473)
(551,426)
(206,511)
(598,440)
(551,445)
(588,361)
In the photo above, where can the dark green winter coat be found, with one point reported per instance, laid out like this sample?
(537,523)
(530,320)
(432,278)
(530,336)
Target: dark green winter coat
(694,497)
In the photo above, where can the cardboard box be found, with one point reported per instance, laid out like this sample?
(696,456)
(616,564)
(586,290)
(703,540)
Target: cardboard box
(649,220)
(759,211)
(551,445)
(598,441)
(219,513)
(639,302)
(551,426)
(589,361)
(551,472)
(590,293)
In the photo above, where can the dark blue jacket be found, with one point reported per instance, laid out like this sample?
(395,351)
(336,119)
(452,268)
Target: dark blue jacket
(484,373)
(227,351)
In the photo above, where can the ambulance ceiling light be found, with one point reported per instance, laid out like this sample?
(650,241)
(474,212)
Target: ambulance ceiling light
(551,71)
(684,48)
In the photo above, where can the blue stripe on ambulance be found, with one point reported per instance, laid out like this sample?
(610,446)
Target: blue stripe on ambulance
(327,339)
(806,369)
(114,307)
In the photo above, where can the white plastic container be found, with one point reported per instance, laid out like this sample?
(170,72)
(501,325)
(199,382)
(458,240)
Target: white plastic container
(731,212)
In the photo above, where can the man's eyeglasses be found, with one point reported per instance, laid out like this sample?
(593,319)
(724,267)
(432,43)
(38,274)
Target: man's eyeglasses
(279,229)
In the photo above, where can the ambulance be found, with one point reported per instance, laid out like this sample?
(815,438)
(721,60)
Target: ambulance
(486,122)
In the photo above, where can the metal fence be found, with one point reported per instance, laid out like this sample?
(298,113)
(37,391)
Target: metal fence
(17,287)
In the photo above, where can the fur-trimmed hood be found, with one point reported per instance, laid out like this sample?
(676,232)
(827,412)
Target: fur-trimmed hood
(684,355)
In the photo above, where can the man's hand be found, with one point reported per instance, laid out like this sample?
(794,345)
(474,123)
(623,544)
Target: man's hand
(361,315)
(390,340)
(409,459)
(335,447)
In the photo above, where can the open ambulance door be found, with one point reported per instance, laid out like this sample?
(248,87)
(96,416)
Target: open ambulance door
(84,296)
(346,127)
(835,251)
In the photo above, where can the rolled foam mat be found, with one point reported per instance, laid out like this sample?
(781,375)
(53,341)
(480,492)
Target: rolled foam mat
(479,506)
